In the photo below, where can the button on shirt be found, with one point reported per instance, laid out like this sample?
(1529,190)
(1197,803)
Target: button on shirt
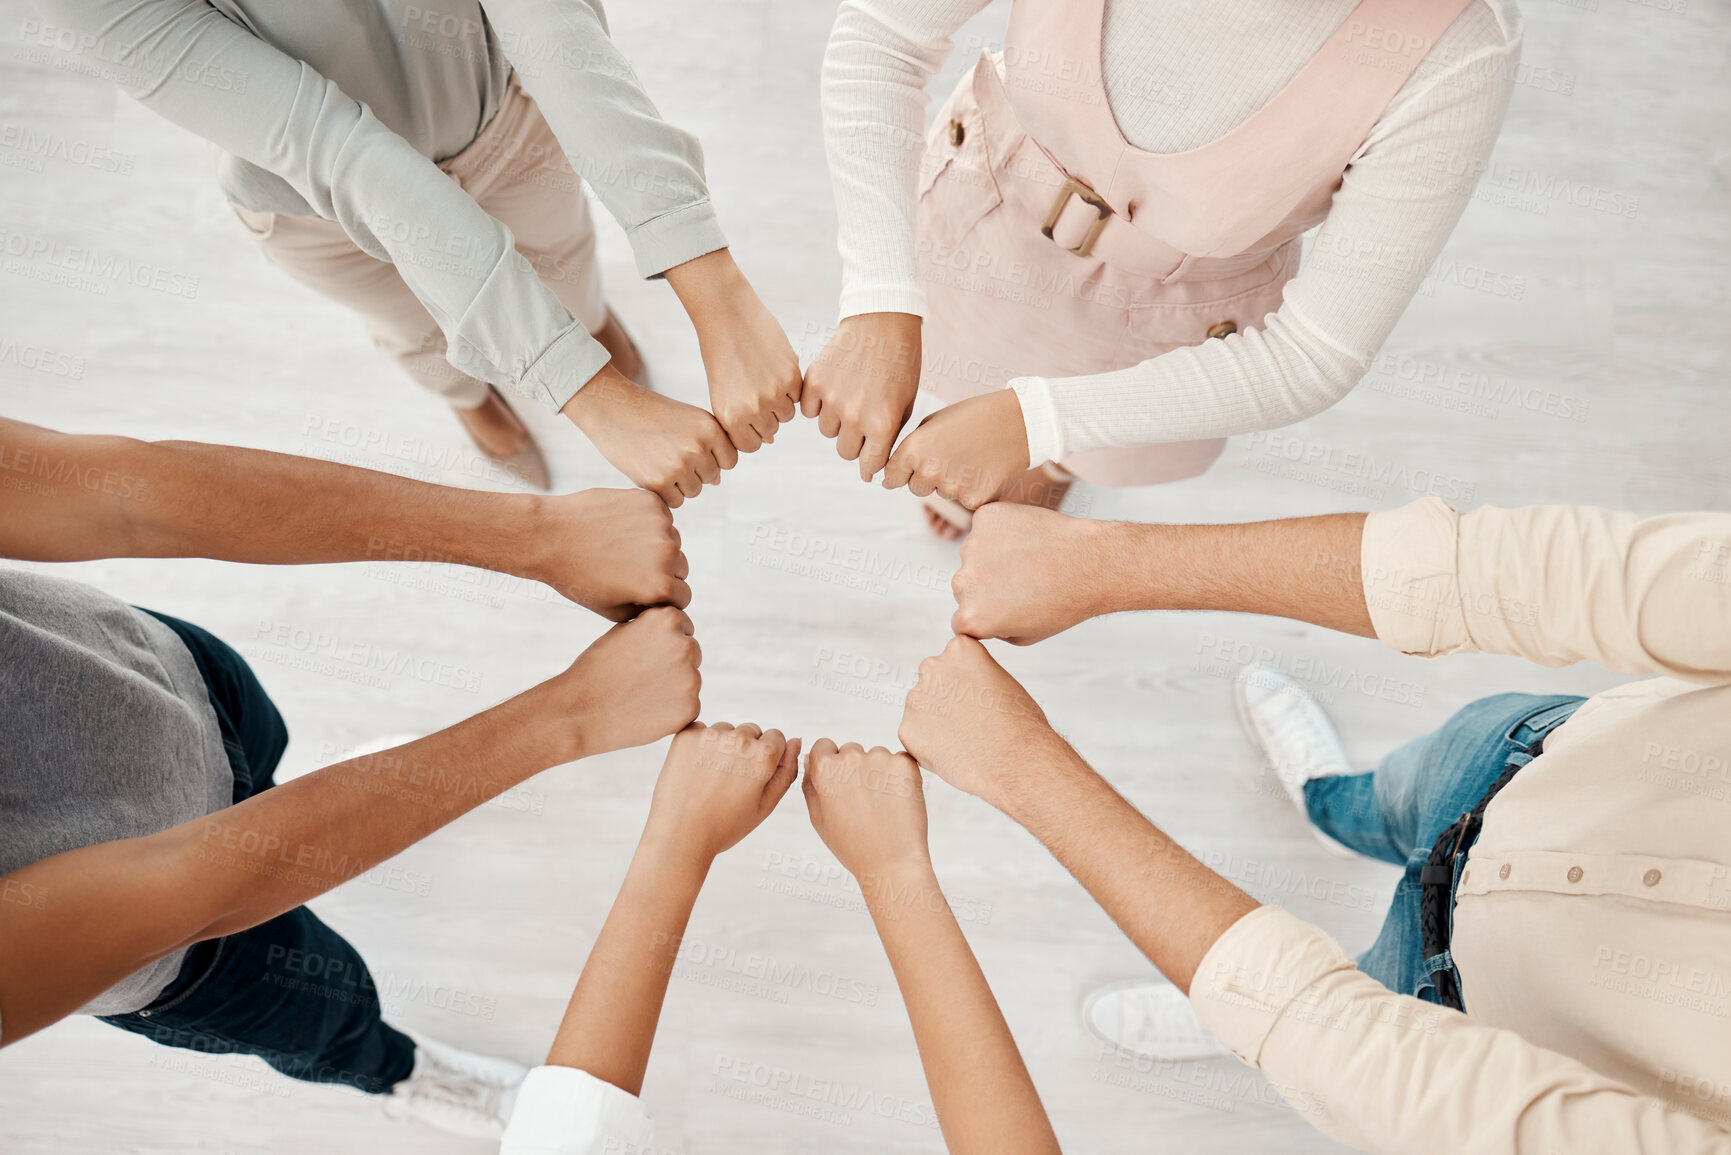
(341,108)
(1592,928)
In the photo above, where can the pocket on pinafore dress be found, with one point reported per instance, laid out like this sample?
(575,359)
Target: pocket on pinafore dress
(957,186)
(1158,327)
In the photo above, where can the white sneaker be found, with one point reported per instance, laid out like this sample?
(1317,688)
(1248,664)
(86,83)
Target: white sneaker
(1294,734)
(1149,1018)
(456,1090)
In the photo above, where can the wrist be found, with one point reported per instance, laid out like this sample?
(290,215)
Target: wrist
(671,856)
(1119,563)
(892,886)
(710,287)
(523,549)
(543,719)
(608,386)
(1047,778)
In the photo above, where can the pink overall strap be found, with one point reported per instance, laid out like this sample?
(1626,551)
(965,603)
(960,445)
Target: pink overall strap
(1221,198)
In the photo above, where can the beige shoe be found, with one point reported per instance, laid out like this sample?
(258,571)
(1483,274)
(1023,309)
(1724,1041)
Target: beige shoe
(500,434)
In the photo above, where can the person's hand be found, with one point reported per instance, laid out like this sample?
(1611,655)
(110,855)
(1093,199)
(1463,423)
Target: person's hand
(970,452)
(613,551)
(970,723)
(668,447)
(638,682)
(1029,573)
(869,808)
(718,783)
(861,388)
(752,369)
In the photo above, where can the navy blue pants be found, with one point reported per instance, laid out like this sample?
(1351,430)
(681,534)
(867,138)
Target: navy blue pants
(291,991)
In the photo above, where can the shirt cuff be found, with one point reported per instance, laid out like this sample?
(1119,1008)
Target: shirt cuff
(675,237)
(857,301)
(564,367)
(1257,973)
(1412,580)
(1040,419)
(565,1111)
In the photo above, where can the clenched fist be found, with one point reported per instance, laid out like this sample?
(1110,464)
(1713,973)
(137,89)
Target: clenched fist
(868,807)
(718,783)
(613,551)
(970,452)
(1029,573)
(970,723)
(637,683)
(861,387)
(668,447)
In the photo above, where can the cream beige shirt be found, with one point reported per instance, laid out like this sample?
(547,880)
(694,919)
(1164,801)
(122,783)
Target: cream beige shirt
(1593,922)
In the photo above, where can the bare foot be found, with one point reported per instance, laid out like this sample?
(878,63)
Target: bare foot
(618,342)
(1036,487)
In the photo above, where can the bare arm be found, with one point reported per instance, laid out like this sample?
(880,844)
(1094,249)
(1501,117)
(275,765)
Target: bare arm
(974,726)
(1030,573)
(717,785)
(112,908)
(76,497)
(1380,1071)
(870,810)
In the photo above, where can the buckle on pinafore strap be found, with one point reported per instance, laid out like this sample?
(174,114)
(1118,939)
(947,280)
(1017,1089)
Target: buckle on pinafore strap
(1075,188)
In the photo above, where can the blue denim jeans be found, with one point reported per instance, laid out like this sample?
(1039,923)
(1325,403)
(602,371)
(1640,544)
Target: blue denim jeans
(1396,812)
(291,990)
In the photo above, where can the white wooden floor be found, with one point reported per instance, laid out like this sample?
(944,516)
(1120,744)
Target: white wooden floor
(1622,315)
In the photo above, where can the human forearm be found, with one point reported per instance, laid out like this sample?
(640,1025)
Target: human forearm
(609,1024)
(1303,568)
(1168,903)
(112,908)
(980,1087)
(118,497)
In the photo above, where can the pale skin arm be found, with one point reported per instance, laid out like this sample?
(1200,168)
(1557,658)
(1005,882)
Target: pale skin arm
(109,909)
(674,449)
(717,785)
(869,808)
(1029,573)
(81,497)
(861,387)
(971,724)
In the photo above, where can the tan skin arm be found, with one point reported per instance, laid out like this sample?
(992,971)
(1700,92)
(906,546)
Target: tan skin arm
(1029,573)
(107,910)
(74,497)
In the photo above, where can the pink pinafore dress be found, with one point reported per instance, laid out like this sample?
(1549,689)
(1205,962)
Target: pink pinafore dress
(1051,247)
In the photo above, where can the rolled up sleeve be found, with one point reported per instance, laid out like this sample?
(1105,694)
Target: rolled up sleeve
(1554,584)
(647,172)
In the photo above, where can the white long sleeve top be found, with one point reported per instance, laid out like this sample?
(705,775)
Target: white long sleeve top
(1179,74)
(564,1111)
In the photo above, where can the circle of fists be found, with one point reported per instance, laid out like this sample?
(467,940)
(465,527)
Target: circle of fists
(860,388)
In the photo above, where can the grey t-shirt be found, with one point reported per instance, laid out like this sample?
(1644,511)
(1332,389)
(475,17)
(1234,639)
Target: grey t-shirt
(106,732)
